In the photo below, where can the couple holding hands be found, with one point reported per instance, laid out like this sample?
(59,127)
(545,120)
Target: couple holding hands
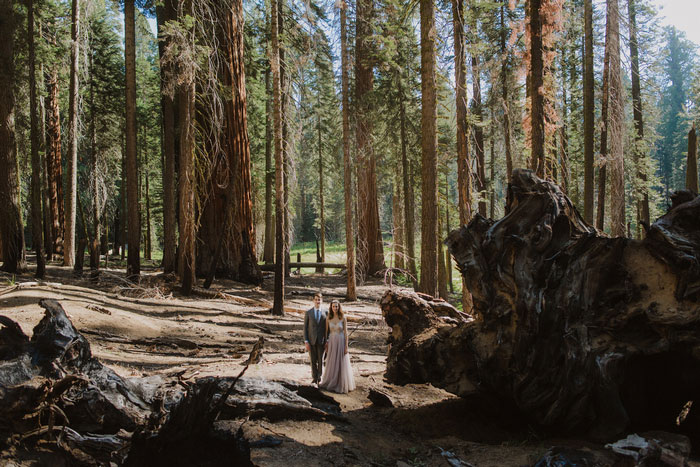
(326,332)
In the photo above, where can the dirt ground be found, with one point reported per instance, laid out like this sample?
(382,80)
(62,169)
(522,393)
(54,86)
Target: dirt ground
(151,329)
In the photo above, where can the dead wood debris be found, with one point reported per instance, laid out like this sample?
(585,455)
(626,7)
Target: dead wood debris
(580,332)
(55,394)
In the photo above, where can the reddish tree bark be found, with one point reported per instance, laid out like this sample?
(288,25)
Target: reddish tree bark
(228,212)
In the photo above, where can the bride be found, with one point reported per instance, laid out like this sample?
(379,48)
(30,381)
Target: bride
(337,374)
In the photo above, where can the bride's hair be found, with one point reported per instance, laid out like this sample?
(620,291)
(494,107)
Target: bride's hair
(331,313)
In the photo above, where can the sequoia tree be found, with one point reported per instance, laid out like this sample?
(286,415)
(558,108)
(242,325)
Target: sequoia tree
(227,217)
(370,250)
(616,121)
(11,230)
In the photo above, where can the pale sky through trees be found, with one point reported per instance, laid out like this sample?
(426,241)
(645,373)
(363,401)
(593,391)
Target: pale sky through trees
(683,14)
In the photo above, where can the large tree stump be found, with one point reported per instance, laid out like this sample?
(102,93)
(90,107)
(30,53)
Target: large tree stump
(581,332)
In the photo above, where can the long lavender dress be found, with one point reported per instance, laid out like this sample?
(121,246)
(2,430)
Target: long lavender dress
(337,373)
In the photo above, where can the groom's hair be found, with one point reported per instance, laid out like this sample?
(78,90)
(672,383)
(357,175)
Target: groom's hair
(319,295)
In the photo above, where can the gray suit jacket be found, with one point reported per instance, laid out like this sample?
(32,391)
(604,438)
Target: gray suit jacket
(315,332)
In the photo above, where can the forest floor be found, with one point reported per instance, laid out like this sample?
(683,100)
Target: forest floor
(151,329)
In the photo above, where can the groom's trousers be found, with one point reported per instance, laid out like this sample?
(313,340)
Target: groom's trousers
(316,354)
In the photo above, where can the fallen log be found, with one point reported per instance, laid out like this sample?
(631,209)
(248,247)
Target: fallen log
(54,392)
(579,331)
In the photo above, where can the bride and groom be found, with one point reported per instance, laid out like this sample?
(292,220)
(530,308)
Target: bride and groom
(326,332)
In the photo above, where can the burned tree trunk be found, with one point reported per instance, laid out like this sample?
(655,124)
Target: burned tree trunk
(581,332)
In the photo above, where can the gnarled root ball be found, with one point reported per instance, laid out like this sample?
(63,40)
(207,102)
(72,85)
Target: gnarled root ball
(581,332)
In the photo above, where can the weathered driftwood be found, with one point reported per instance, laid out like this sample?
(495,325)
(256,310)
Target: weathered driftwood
(580,331)
(53,391)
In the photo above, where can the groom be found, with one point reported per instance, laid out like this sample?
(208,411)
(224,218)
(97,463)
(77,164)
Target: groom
(315,336)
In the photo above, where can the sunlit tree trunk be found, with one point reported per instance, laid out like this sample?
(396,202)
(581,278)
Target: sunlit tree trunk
(616,122)
(72,166)
(37,225)
(429,213)
(463,162)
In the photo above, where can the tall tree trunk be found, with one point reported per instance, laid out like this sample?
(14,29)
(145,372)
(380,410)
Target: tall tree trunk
(320,188)
(351,293)
(616,121)
(46,200)
(602,172)
(691,173)
(477,129)
(492,167)
(504,96)
(286,158)
(464,178)
(37,225)
(588,110)
(95,241)
(186,258)
(54,165)
(397,222)
(133,266)
(278,306)
(122,197)
(429,212)
(442,267)
(228,211)
(11,231)
(639,153)
(166,11)
(269,249)
(370,252)
(149,235)
(72,166)
(537,112)
(409,220)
